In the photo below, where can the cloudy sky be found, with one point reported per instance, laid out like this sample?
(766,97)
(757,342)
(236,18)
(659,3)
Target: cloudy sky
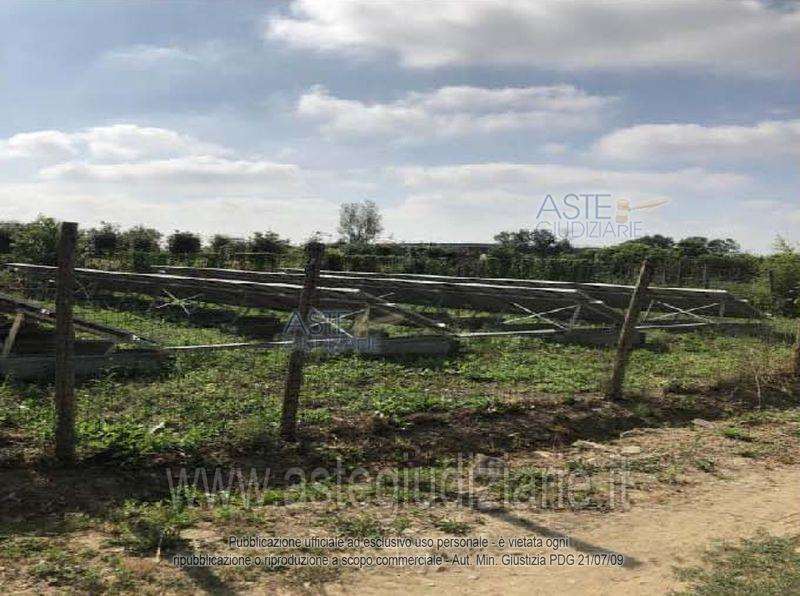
(457,117)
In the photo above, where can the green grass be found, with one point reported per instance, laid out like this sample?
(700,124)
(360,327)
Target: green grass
(360,526)
(765,565)
(147,528)
(450,526)
(737,434)
(204,408)
(215,402)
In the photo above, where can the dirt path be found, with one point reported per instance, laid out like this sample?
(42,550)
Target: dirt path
(653,537)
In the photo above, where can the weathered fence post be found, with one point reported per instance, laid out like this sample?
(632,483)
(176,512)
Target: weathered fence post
(65,345)
(772,292)
(628,331)
(796,354)
(294,374)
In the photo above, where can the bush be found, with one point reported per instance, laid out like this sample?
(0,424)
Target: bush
(6,238)
(268,242)
(333,260)
(785,271)
(145,528)
(141,239)
(183,243)
(36,242)
(104,240)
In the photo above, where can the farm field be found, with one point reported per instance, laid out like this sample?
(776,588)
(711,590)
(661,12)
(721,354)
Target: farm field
(358,297)
(704,413)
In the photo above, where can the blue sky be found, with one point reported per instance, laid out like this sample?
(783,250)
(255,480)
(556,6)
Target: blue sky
(457,118)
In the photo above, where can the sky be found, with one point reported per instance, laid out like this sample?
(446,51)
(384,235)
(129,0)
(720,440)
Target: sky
(458,118)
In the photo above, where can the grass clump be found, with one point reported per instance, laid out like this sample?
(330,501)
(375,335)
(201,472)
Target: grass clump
(705,464)
(360,526)
(149,528)
(765,565)
(737,434)
(451,526)
(64,569)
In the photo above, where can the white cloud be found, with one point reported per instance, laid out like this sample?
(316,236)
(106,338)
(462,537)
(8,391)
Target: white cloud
(692,143)
(133,174)
(743,36)
(539,179)
(132,142)
(42,144)
(193,170)
(455,111)
(232,215)
(127,142)
(174,60)
(475,201)
(234,193)
(145,57)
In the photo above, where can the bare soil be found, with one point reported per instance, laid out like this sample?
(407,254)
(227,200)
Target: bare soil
(654,537)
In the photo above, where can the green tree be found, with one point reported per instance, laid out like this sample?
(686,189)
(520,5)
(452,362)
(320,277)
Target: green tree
(183,243)
(540,242)
(220,242)
(8,229)
(141,239)
(268,242)
(104,240)
(360,223)
(693,246)
(656,240)
(36,242)
(723,246)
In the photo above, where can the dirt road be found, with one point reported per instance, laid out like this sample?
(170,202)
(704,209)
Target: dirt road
(654,537)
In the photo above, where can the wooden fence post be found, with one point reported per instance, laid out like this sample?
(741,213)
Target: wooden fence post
(796,354)
(628,330)
(294,374)
(65,345)
(772,292)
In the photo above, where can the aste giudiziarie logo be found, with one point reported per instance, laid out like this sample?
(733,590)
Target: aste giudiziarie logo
(329,330)
(595,216)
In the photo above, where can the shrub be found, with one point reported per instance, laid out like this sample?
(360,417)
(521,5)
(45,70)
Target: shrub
(267,242)
(36,242)
(141,239)
(183,243)
(785,271)
(104,240)
(145,528)
(7,233)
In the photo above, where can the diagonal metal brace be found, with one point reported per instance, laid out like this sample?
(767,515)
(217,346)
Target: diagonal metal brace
(540,316)
(690,312)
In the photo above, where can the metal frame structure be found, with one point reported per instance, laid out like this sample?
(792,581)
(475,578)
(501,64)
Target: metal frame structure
(484,296)
(237,293)
(665,299)
(25,308)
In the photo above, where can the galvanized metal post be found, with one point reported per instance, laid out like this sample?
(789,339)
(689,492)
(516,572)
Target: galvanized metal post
(628,330)
(294,374)
(65,345)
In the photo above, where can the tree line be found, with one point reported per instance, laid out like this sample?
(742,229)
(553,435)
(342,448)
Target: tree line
(36,241)
(770,281)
